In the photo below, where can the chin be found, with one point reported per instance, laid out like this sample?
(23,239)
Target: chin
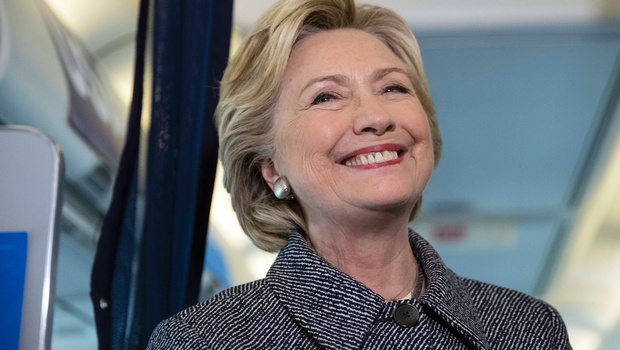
(402,203)
(396,195)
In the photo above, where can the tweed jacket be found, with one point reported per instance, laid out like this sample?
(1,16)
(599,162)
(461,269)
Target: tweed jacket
(306,303)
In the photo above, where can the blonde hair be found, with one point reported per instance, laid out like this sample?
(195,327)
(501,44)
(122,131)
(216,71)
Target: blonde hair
(250,89)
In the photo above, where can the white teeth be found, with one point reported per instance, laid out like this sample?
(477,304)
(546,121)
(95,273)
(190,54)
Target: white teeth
(387,155)
(372,158)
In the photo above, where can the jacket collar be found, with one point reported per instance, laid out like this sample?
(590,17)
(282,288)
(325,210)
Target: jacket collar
(447,295)
(325,301)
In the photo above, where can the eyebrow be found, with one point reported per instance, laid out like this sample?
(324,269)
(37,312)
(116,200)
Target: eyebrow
(380,73)
(341,79)
(336,78)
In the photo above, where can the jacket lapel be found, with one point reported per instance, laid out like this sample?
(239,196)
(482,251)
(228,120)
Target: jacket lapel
(447,295)
(336,310)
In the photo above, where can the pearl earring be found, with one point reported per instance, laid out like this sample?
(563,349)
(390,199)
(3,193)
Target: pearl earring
(282,188)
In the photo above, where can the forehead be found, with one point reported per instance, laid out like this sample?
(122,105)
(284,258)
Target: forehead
(332,51)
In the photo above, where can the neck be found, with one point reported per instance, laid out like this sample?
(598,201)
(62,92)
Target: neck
(379,256)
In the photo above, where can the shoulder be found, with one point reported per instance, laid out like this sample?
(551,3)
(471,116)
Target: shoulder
(514,318)
(220,321)
(492,299)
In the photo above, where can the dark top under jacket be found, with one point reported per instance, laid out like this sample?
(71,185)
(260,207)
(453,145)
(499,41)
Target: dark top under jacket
(306,303)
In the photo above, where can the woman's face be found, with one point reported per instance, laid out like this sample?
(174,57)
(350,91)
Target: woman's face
(351,135)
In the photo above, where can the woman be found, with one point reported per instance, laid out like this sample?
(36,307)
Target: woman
(328,138)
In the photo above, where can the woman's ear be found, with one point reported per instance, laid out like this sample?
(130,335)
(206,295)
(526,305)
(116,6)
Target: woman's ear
(269,172)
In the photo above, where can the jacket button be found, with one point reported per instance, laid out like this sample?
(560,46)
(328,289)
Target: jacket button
(406,315)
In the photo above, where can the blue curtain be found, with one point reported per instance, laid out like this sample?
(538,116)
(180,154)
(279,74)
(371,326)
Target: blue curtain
(142,276)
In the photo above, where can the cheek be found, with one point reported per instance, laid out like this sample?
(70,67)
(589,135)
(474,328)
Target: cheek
(420,130)
(304,153)
(425,161)
(297,149)
(419,127)
(322,124)
(429,160)
(312,136)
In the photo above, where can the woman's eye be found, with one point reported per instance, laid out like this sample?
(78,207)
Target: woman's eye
(397,88)
(322,98)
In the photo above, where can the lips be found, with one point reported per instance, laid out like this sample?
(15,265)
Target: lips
(373,155)
(371,158)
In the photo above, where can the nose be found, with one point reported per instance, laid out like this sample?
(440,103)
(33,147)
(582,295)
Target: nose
(372,117)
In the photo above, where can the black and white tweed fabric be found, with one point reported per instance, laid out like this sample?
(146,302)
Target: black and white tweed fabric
(306,303)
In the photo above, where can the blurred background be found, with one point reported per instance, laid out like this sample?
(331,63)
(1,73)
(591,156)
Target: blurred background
(527,194)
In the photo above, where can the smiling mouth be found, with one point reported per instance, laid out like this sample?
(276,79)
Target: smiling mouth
(371,158)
